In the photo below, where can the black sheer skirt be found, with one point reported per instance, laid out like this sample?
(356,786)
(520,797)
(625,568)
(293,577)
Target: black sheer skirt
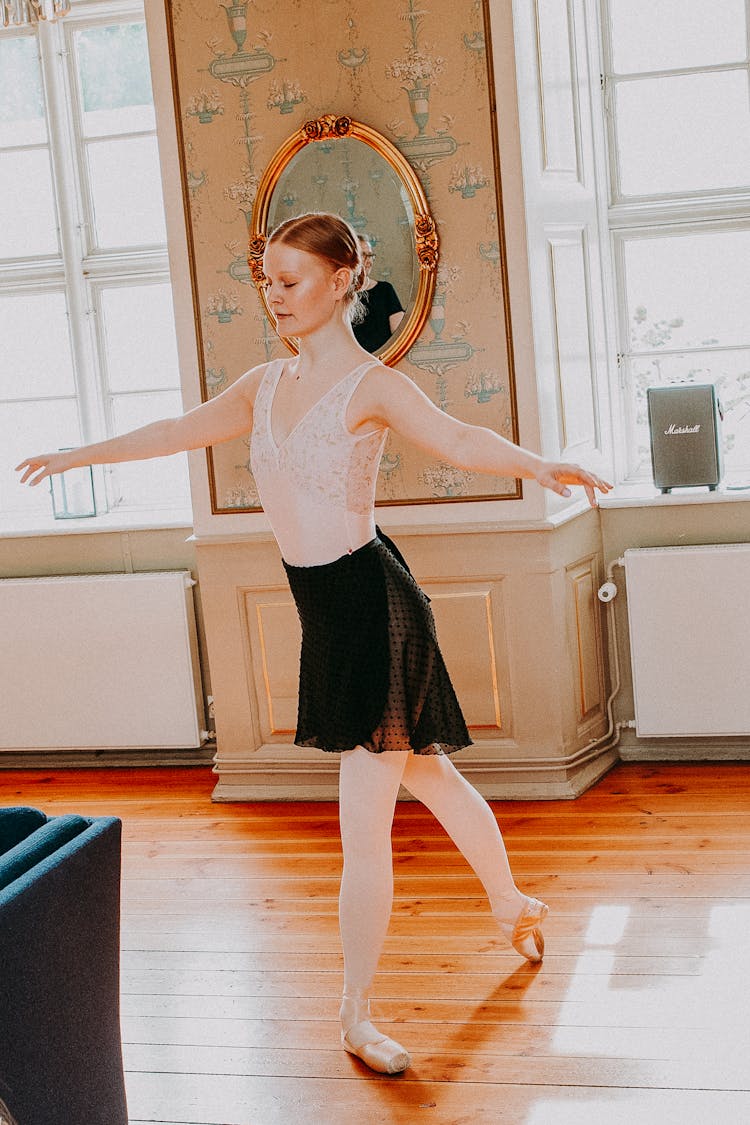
(371,671)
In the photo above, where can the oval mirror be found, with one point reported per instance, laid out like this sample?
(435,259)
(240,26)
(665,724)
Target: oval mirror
(337,164)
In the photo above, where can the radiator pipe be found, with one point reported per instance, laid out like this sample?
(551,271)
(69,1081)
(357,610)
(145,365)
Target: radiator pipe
(607,594)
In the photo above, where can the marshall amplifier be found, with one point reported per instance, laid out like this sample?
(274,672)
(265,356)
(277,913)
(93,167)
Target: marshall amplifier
(685,438)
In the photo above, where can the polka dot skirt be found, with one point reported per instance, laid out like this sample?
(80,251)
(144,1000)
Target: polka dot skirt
(371,671)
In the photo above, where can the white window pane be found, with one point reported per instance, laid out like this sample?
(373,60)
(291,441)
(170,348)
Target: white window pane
(126,192)
(22,120)
(161,482)
(672,34)
(728,371)
(29,223)
(29,428)
(139,332)
(683,133)
(114,78)
(688,290)
(36,354)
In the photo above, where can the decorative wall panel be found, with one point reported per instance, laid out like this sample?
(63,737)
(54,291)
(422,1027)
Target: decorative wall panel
(573,350)
(277,661)
(586,640)
(245,77)
(557,91)
(471,633)
(472,640)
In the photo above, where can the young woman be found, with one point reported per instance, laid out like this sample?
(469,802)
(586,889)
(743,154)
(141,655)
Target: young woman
(373,686)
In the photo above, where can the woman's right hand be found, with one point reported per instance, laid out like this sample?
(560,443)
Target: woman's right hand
(35,469)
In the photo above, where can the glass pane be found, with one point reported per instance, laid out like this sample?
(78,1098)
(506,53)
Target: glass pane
(36,359)
(115,80)
(138,322)
(29,428)
(126,192)
(672,34)
(22,120)
(29,223)
(161,482)
(688,290)
(684,133)
(729,371)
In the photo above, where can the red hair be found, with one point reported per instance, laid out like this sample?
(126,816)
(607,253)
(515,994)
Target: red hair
(331,238)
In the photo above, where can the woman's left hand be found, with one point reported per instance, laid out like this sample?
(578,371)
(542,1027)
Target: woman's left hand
(558,476)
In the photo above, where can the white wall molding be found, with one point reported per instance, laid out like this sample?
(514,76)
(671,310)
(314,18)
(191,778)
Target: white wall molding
(567,242)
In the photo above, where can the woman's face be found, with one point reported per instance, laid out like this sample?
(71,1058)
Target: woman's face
(366,250)
(303,291)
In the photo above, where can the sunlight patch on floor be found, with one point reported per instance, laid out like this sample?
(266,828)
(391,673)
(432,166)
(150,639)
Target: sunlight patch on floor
(607,925)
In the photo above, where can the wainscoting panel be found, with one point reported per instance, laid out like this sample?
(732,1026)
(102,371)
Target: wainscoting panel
(272,623)
(573,350)
(586,640)
(471,633)
(558,88)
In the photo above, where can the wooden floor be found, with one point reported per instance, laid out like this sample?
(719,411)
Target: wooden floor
(231,968)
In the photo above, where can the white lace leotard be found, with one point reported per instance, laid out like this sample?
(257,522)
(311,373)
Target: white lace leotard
(317,487)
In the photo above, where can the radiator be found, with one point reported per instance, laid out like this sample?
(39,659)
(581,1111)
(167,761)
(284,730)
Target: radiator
(105,661)
(689,619)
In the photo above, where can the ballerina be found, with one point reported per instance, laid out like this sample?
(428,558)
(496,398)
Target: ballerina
(373,685)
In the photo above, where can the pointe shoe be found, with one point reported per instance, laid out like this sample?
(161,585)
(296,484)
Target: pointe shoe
(363,1039)
(525,934)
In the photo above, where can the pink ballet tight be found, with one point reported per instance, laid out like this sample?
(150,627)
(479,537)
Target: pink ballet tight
(368,788)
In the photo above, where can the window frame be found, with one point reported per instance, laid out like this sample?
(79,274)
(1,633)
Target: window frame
(660,214)
(80,268)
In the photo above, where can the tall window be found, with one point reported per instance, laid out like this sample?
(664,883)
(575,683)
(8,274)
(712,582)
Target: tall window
(86,323)
(675,79)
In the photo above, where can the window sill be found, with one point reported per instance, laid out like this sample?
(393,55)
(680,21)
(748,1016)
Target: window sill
(39,525)
(645,495)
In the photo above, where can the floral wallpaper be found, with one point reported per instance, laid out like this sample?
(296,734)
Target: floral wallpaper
(247,76)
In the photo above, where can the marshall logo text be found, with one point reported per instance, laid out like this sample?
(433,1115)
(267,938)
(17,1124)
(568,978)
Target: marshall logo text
(672,429)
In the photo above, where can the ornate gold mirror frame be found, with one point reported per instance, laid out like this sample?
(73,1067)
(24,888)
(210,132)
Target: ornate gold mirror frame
(331,127)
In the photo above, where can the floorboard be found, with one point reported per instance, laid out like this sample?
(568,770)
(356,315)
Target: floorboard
(231,966)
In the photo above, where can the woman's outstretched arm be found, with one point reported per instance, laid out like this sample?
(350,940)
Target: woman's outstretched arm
(392,399)
(226,416)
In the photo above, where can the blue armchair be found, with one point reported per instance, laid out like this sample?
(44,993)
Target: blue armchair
(60,1046)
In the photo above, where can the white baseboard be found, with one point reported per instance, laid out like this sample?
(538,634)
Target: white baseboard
(635,749)
(287,780)
(56,759)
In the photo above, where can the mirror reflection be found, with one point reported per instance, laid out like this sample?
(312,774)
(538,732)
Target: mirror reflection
(347,176)
(381,311)
(333,163)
